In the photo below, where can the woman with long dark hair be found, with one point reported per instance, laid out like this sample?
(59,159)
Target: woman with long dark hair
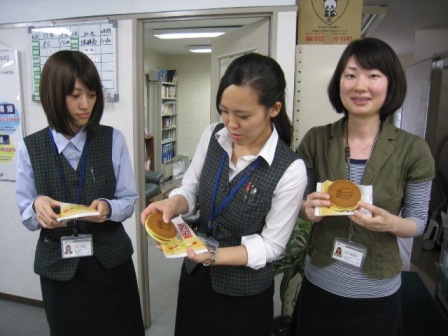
(247,182)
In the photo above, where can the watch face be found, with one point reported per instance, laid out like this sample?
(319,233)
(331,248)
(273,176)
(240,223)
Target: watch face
(212,245)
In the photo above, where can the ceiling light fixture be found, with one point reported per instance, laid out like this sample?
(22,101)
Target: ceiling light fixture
(371,17)
(188,33)
(204,49)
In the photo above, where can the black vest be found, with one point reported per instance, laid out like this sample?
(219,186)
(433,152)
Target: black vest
(242,216)
(111,244)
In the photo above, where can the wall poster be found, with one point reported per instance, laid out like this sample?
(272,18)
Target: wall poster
(329,21)
(11,113)
(96,40)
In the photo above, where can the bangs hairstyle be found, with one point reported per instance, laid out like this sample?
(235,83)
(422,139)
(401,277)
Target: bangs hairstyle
(265,76)
(372,53)
(58,78)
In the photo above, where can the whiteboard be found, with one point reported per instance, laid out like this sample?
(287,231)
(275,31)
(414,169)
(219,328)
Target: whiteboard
(96,40)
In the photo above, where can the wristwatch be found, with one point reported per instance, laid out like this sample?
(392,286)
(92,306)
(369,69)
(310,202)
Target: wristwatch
(212,260)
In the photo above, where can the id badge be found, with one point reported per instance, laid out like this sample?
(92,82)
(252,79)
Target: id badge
(211,243)
(76,246)
(349,252)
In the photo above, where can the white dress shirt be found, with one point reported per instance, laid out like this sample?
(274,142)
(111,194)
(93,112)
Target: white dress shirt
(286,201)
(122,206)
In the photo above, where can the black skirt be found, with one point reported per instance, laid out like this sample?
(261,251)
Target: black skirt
(320,313)
(96,302)
(201,311)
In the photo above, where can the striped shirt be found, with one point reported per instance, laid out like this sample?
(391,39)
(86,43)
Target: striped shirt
(343,280)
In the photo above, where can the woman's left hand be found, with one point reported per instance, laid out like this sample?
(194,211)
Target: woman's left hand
(103,208)
(198,258)
(381,220)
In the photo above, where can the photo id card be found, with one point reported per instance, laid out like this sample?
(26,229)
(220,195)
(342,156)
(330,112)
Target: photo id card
(76,246)
(349,252)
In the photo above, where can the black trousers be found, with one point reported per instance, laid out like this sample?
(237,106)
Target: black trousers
(203,312)
(320,313)
(96,302)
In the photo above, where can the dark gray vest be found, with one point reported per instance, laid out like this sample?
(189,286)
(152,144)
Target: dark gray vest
(111,245)
(242,216)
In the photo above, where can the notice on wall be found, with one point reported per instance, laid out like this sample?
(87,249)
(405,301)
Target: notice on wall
(329,21)
(96,40)
(11,113)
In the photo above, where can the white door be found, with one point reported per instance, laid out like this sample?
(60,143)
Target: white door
(253,37)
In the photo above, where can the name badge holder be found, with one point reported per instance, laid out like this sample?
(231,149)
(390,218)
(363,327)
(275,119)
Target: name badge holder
(349,252)
(77,245)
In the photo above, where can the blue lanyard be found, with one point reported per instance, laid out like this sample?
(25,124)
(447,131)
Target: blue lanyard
(61,172)
(232,193)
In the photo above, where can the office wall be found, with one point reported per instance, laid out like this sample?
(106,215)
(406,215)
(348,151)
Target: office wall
(31,11)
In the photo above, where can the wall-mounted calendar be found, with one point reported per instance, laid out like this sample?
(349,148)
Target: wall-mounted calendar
(96,40)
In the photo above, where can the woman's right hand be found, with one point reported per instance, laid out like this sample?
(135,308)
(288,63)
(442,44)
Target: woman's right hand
(166,207)
(43,207)
(313,200)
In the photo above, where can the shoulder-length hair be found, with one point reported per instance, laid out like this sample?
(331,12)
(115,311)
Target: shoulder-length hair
(57,81)
(372,53)
(265,76)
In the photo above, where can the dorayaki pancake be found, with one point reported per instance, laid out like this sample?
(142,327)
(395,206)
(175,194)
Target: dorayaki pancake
(157,238)
(158,229)
(344,195)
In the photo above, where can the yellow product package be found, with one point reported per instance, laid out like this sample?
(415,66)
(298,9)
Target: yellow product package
(70,211)
(184,239)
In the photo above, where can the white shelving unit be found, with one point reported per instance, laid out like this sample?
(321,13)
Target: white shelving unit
(162,123)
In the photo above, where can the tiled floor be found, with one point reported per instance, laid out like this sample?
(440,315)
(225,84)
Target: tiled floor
(164,275)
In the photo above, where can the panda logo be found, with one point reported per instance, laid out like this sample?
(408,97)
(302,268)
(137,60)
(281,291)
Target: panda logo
(330,8)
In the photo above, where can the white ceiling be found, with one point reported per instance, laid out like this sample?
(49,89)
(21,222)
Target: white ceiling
(179,47)
(398,27)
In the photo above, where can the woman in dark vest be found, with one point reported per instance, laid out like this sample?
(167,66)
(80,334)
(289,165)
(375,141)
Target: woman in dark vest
(229,290)
(92,290)
(357,292)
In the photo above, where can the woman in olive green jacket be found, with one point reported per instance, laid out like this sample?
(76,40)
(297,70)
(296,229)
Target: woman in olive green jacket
(358,293)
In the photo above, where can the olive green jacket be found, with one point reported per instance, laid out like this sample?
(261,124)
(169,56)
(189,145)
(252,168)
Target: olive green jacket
(398,157)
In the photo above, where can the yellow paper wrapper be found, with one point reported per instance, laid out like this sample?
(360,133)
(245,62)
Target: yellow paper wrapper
(70,211)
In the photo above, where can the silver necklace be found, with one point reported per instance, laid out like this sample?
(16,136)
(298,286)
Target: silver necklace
(347,150)
(360,147)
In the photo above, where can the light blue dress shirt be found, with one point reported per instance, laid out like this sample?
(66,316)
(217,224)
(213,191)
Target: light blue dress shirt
(122,206)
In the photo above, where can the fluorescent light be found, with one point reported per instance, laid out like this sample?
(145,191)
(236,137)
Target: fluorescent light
(188,33)
(372,16)
(200,49)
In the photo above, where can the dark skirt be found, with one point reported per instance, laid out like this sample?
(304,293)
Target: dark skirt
(96,302)
(201,311)
(320,313)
